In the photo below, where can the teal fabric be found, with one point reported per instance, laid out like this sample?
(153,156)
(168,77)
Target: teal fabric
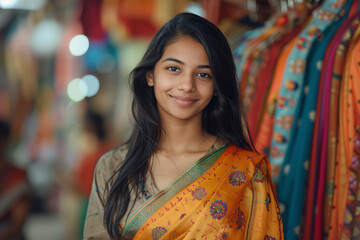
(289,98)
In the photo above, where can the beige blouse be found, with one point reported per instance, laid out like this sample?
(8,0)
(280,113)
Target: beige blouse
(104,170)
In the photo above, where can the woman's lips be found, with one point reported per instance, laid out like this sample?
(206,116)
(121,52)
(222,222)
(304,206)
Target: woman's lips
(183,101)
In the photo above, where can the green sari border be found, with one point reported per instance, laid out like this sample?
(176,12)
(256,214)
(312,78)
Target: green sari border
(147,209)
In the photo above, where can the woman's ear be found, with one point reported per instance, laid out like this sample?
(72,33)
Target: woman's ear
(150,78)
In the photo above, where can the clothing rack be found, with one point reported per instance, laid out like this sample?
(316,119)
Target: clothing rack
(296,78)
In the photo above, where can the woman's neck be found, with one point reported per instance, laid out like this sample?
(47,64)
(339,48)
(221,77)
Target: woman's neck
(184,136)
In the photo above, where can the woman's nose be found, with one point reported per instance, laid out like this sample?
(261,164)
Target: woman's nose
(186,83)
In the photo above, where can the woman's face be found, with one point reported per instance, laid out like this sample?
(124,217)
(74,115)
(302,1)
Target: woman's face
(182,80)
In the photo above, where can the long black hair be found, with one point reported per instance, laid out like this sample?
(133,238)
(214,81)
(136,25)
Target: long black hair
(222,116)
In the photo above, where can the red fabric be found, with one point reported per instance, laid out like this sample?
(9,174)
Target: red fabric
(136,16)
(90,18)
(138,27)
(10,177)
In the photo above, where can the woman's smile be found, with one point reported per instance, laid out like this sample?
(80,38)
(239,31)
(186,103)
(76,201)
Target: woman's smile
(183,101)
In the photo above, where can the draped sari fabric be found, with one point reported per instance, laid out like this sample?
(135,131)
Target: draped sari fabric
(228,194)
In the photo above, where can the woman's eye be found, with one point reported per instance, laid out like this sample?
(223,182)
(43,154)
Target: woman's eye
(173,69)
(203,75)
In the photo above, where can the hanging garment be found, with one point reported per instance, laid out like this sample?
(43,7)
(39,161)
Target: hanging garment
(331,80)
(290,107)
(263,80)
(293,172)
(239,58)
(312,182)
(353,198)
(294,71)
(259,58)
(263,139)
(345,145)
(351,224)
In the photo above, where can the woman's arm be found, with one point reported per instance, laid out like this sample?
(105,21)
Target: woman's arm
(94,224)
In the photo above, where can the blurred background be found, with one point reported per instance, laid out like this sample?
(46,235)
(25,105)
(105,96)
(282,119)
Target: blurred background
(65,100)
(64,95)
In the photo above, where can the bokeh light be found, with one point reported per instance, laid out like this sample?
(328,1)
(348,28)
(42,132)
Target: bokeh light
(77,89)
(22,4)
(92,85)
(7,3)
(79,45)
(195,8)
(46,38)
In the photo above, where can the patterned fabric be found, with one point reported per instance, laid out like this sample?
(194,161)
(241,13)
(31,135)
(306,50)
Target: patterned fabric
(345,33)
(310,120)
(354,176)
(262,80)
(291,185)
(105,168)
(247,55)
(330,96)
(349,136)
(233,199)
(239,57)
(263,138)
(323,17)
(307,125)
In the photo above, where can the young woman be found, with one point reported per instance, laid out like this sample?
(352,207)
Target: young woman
(189,170)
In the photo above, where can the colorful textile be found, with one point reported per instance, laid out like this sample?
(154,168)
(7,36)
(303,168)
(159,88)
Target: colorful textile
(251,57)
(301,108)
(347,179)
(307,120)
(228,195)
(263,139)
(330,123)
(330,97)
(354,176)
(312,187)
(104,170)
(323,17)
(263,79)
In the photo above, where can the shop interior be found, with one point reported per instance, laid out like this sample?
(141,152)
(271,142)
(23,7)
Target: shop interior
(64,92)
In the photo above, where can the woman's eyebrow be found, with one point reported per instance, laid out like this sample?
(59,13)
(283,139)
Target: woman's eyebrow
(174,60)
(182,63)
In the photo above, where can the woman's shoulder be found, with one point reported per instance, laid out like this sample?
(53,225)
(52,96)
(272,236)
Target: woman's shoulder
(255,163)
(250,156)
(110,161)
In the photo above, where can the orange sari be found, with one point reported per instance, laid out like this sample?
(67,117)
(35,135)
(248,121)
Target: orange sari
(226,195)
